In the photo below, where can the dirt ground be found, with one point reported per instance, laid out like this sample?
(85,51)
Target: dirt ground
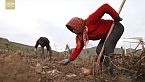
(28,67)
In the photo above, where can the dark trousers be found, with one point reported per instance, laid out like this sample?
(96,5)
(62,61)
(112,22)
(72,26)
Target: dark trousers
(110,43)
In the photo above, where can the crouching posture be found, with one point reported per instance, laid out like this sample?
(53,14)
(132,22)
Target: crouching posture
(96,28)
(43,41)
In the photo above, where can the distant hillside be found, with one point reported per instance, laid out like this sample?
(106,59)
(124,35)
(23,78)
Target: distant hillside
(6,44)
(13,46)
(89,52)
(3,43)
(86,53)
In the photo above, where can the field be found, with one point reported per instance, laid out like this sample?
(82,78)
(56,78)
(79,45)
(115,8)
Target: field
(19,63)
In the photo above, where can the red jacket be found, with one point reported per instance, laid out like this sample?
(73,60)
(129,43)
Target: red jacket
(97,28)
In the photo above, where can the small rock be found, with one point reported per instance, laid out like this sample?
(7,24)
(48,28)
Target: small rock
(71,75)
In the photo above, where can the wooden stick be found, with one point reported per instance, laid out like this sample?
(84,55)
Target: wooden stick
(101,52)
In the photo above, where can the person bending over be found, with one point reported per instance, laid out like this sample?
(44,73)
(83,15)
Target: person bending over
(96,28)
(43,41)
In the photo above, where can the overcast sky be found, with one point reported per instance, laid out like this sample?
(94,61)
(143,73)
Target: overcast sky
(32,19)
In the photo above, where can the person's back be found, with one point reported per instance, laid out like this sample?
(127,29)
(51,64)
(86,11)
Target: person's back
(43,41)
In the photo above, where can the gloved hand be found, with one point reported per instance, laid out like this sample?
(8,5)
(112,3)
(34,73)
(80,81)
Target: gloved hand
(117,19)
(65,62)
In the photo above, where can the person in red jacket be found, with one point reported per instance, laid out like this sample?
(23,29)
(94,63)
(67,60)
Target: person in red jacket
(96,28)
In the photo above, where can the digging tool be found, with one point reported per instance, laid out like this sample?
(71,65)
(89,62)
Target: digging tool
(101,53)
